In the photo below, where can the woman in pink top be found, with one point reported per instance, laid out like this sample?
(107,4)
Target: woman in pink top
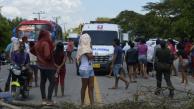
(142,57)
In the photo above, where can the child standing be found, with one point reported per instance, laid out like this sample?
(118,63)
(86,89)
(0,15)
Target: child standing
(59,62)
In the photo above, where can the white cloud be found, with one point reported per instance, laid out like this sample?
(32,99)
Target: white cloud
(11,12)
(52,8)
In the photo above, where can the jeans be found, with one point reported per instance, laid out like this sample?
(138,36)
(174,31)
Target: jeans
(6,96)
(50,75)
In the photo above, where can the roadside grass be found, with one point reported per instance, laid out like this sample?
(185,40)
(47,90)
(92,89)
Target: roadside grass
(135,105)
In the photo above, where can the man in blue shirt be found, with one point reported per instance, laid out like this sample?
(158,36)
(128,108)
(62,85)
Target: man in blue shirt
(116,65)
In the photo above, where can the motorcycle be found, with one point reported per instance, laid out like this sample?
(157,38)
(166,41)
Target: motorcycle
(18,84)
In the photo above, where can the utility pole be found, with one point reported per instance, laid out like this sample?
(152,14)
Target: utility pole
(56,19)
(65,27)
(39,14)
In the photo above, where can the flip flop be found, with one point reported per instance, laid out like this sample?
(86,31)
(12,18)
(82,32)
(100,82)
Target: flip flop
(44,103)
(50,103)
(109,76)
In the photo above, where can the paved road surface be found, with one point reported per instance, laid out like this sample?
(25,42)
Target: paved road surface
(103,95)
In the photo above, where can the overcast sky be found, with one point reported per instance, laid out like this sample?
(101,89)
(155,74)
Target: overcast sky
(71,12)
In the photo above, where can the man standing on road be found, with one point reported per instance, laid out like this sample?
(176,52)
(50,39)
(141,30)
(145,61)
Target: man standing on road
(163,64)
(117,64)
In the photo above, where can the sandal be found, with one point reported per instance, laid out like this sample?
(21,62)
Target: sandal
(50,103)
(44,102)
(109,76)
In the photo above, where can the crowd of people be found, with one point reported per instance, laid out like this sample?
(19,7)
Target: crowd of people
(165,53)
(49,59)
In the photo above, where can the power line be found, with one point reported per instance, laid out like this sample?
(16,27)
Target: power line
(39,14)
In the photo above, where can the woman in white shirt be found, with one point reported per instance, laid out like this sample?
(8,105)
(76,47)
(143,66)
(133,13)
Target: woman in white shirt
(85,57)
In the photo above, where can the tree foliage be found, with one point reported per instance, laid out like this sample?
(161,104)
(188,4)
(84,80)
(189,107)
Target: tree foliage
(6,27)
(170,18)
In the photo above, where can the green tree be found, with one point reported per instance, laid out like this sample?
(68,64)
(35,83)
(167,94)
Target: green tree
(6,27)
(178,14)
(5,32)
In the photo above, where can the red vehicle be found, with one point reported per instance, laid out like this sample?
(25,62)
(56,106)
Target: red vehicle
(31,28)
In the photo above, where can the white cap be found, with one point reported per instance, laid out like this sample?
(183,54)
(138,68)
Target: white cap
(14,39)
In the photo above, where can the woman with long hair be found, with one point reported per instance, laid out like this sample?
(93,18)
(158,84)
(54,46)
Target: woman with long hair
(59,61)
(183,64)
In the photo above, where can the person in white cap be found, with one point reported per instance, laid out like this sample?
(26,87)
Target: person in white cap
(14,45)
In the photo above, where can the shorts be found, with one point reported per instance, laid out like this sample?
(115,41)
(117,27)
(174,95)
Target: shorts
(142,59)
(185,62)
(86,73)
(116,70)
(184,65)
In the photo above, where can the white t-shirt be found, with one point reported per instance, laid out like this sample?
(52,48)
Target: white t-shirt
(85,63)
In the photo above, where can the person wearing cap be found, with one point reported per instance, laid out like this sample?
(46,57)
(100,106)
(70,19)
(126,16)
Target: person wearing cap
(59,61)
(11,47)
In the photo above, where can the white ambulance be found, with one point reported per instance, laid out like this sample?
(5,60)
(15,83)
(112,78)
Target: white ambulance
(102,36)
